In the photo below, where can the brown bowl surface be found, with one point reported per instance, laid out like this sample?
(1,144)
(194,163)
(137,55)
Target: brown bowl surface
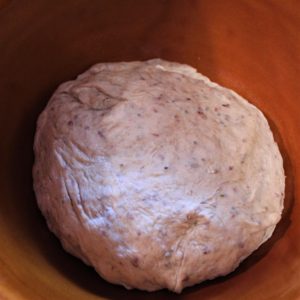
(250,46)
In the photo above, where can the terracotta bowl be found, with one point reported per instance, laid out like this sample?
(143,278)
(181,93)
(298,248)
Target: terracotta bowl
(250,46)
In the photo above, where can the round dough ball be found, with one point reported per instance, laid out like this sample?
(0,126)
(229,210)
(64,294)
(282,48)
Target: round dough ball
(154,175)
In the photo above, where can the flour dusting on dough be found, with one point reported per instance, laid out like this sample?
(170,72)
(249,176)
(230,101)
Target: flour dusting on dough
(156,176)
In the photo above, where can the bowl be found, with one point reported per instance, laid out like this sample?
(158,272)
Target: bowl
(252,47)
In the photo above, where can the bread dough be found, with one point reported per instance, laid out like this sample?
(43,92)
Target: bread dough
(156,176)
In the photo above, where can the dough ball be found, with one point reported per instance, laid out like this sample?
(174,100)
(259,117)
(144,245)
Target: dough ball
(156,176)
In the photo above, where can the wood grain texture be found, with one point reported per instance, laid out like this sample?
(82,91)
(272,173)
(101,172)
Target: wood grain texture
(250,46)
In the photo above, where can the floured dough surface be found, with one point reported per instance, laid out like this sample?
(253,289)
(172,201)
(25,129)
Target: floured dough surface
(154,175)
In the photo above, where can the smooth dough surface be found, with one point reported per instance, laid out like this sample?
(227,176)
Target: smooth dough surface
(156,176)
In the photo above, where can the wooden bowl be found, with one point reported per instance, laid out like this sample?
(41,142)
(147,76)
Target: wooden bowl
(250,46)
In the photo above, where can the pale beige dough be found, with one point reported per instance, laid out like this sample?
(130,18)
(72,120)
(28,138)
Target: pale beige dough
(156,176)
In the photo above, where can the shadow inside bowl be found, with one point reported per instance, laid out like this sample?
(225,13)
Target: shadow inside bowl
(34,226)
